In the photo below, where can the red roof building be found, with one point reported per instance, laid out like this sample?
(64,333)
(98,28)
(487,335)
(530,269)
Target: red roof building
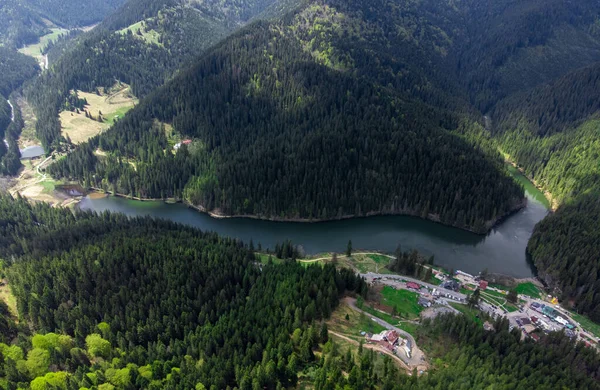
(392,337)
(187,142)
(413,285)
(483,284)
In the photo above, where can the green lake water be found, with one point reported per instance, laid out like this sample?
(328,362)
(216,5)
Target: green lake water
(502,250)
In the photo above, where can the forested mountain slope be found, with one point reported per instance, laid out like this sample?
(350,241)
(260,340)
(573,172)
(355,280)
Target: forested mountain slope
(173,306)
(24,21)
(293,120)
(143,44)
(553,132)
(340,108)
(512,45)
(565,249)
(15,68)
(109,302)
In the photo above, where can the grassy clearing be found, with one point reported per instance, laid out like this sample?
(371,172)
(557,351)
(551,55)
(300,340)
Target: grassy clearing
(492,300)
(474,314)
(510,308)
(354,325)
(587,324)
(381,315)
(264,258)
(35,50)
(7,296)
(494,293)
(529,289)
(140,31)
(28,136)
(367,263)
(112,105)
(405,302)
(408,327)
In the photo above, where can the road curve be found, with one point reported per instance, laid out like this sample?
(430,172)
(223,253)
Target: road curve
(417,356)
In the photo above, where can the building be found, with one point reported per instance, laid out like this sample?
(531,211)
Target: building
(392,337)
(561,320)
(375,338)
(488,326)
(408,348)
(550,312)
(413,286)
(529,328)
(424,302)
(483,284)
(459,272)
(450,284)
(184,142)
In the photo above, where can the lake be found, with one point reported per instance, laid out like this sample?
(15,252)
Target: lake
(502,250)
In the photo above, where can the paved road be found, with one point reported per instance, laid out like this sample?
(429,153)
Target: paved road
(417,356)
(370,276)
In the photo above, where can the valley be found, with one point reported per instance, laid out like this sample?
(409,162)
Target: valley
(501,251)
(301,195)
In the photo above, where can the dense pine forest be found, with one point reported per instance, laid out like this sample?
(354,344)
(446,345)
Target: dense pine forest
(332,109)
(280,105)
(565,250)
(24,21)
(163,305)
(553,132)
(114,303)
(523,64)
(15,68)
(143,44)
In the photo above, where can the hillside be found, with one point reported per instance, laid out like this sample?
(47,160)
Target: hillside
(553,132)
(143,44)
(164,305)
(107,302)
(291,121)
(564,248)
(15,68)
(24,21)
(513,45)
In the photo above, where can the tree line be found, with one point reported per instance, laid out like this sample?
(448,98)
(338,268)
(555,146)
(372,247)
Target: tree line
(286,137)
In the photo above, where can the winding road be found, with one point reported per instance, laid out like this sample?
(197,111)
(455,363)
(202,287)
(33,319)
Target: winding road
(12,118)
(417,356)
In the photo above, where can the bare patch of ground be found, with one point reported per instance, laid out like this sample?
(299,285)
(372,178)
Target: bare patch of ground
(34,184)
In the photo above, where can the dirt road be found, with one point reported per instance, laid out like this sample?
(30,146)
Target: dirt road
(417,358)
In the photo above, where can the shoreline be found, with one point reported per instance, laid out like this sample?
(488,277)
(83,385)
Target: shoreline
(553,203)
(214,214)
